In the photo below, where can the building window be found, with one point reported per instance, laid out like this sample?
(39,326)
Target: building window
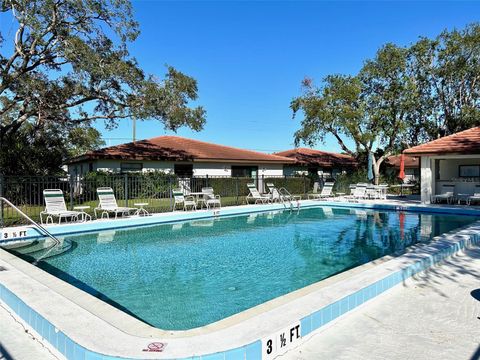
(130,167)
(244,171)
(469,171)
(90,167)
(183,170)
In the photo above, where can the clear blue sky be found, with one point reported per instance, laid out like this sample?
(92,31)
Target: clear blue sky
(249,57)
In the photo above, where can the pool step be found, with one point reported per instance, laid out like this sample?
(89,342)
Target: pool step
(54,250)
(39,250)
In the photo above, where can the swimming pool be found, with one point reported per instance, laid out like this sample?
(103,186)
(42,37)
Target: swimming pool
(185,275)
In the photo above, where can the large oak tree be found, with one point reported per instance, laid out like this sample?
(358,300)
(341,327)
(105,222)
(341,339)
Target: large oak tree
(402,97)
(370,109)
(66,65)
(447,72)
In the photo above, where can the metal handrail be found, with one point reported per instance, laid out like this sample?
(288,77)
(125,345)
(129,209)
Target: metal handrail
(280,197)
(37,225)
(285,195)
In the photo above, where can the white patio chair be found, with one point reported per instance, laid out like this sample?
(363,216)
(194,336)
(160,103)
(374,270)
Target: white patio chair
(55,207)
(475,197)
(255,196)
(358,193)
(371,192)
(447,193)
(186,201)
(210,199)
(325,193)
(108,204)
(382,191)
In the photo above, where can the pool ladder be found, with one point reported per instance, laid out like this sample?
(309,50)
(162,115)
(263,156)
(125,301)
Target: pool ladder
(285,196)
(33,222)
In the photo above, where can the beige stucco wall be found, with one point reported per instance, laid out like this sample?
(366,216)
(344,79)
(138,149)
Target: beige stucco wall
(270,170)
(114,166)
(225,169)
(426,179)
(212,169)
(199,169)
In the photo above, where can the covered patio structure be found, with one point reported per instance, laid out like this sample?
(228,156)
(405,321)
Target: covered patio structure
(451,162)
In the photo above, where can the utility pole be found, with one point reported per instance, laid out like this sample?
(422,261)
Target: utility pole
(134,129)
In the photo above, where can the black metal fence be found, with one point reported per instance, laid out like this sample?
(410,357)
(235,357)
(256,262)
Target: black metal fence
(130,189)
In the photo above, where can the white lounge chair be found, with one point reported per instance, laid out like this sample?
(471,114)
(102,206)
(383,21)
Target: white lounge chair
(210,199)
(358,193)
(447,193)
(55,207)
(326,191)
(280,195)
(186,201)
(376,191)
(475,197)
(255,196)
(273,193)
(316,187)
(108,204)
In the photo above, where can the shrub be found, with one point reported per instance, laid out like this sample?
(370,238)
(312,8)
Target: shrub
(230,186)
(294,185)
(154,184)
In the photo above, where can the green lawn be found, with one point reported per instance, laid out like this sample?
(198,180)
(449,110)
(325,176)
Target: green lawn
(12,218)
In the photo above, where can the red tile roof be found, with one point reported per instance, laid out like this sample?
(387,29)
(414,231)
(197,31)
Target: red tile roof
(410,161)
(175,148)
(463,142)
(311,157)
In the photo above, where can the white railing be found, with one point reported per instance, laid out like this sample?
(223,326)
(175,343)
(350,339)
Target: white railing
(286,196)
(33,222)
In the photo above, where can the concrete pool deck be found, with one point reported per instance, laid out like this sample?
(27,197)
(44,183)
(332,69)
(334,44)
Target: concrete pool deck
(16,343)
(439,298)
(430,316)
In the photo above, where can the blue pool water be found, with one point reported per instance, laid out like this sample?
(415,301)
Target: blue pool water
(184,275)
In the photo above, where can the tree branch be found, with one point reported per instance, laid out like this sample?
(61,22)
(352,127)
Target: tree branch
(342,144)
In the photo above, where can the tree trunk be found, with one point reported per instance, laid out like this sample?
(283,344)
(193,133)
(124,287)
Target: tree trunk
(376,172)
(376,168)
